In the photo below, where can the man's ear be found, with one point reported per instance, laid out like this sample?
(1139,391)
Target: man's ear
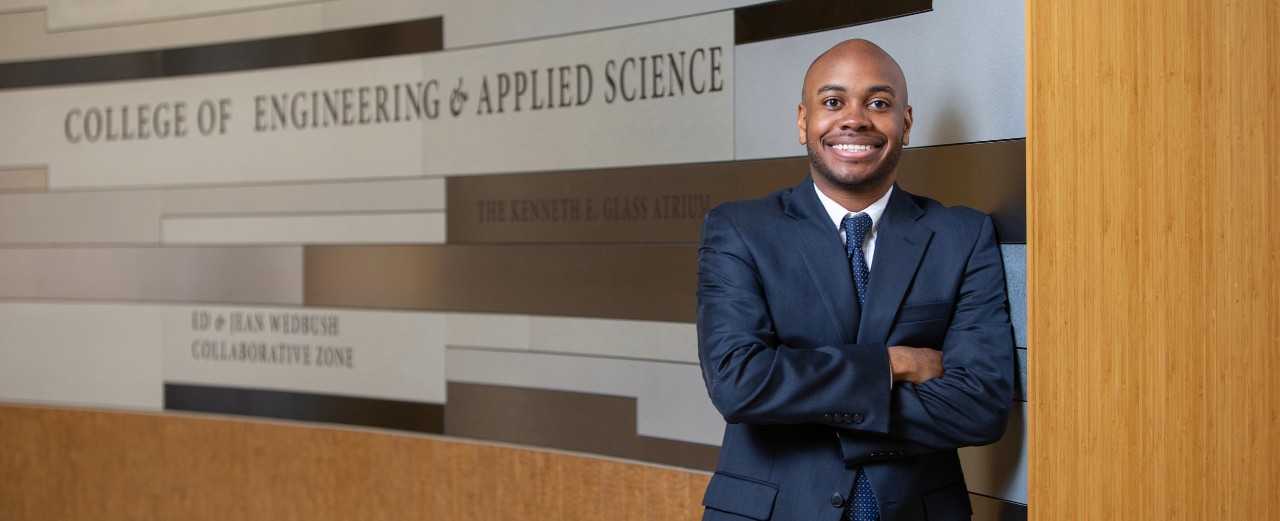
(800,125)
(906,127)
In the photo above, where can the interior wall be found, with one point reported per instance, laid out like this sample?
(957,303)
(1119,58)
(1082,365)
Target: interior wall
(447,217)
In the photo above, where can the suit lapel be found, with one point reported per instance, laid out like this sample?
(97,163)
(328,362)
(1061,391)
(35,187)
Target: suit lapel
(818,243)
(900,245)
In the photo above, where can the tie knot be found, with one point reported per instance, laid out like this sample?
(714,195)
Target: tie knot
(856,227)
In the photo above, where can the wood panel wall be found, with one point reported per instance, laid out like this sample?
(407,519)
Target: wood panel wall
(64,464)
(1154,297)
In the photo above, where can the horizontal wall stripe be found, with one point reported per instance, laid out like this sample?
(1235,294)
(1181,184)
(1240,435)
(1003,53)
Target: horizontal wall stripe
(618,281)
(670,397)
(391,195)
(415,36)
(80,218)
(628,339)
(773,20)
(244,275)
(666,203)
(369,412)
(117,217)
(595,424)
(639,282)
(383,228)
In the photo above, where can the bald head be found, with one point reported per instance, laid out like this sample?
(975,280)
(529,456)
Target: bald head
(855,52)
(853,120)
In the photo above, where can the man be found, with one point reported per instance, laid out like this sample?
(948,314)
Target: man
(849,372)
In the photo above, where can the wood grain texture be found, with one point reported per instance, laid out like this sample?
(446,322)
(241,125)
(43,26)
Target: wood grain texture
(1153,164)
(65,464)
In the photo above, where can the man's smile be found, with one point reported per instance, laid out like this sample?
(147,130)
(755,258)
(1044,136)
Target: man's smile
(854,149)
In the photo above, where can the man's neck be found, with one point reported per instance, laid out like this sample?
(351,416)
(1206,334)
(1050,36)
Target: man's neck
(852,200)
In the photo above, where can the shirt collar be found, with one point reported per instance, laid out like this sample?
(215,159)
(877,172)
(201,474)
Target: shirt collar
(838,213)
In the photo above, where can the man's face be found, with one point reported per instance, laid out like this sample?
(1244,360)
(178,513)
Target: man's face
(854,119)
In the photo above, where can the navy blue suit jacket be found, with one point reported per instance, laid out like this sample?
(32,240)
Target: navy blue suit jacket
(801,372)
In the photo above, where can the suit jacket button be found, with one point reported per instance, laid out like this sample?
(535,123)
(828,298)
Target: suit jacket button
(848,418)
(857,418)
(826,417)
(837,500)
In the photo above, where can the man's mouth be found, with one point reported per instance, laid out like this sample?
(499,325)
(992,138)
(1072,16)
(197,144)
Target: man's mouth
(854,151)
(853,148)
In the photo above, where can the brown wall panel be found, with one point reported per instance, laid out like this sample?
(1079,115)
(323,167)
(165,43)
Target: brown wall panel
(666,203)
(646,282)
(1154,188)
(414,36)
(563,420)
(988,176)
(770,20)
(90,465)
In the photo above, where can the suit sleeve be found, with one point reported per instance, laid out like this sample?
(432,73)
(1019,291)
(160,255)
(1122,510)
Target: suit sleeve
(968,405)
(750,375)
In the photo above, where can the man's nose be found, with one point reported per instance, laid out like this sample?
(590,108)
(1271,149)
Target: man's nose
(854,117)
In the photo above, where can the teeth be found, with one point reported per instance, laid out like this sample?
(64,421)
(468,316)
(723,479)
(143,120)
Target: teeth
(853,148)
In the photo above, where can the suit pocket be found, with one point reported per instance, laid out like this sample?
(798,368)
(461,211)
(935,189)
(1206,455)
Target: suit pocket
(947,503)
(740,496)
(923,312)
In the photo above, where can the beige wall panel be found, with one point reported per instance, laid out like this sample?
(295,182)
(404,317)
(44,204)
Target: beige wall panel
(999,470)
(88,465)
(26,35)
(251,275)
(94,354)
(644,282)
(23,179)
(1154,193)
(80,218)
(68,14)
(394,228)
(369,196)
(381,355)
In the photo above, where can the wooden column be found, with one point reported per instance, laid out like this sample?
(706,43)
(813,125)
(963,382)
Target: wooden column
(1154,283)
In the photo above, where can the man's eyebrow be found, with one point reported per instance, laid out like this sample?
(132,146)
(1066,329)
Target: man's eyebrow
(882,88)
(832,87)
(835,87)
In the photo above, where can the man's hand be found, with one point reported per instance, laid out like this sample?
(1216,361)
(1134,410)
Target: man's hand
(914,364)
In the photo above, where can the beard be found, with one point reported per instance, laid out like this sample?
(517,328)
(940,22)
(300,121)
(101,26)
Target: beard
(876,178)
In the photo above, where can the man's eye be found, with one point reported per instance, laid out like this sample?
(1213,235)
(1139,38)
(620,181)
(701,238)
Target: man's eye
(879,104)
(831,103)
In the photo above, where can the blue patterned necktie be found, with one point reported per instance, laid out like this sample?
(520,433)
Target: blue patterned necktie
(862,507)
(855,232)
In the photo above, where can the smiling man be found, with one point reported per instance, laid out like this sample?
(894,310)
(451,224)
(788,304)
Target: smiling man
(852,335)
